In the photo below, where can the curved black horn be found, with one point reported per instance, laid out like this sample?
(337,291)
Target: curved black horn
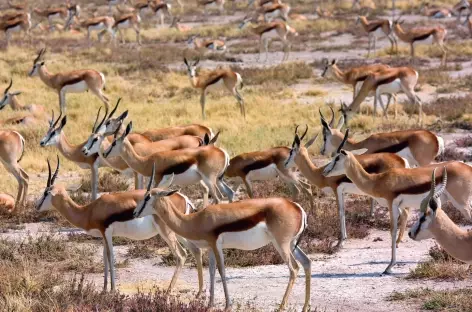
(114,109)
(96,119)
(53,179)
(296,129)
(443,186)
(321,115)
(103,119)
(303,135)
(8,88)
(331,123)
(49,174)
(343,142)
(40,54)
(425,201)
(151,181)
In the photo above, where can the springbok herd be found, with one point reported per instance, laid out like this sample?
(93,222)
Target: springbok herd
(396,169)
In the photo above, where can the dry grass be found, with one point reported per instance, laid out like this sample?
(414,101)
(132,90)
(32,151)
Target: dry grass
(456,300)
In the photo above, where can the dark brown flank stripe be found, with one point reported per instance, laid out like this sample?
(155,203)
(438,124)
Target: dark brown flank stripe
(423,37)
(375,27)
(122,20)
(372,168)
(179,168)
(94,24)
(55,12)
(215,79)
(395,148)
(270,28)
(259,164)
(241,225)
(209,44)
(13,25)
(271,9)
(386,80)
(122,216)
(160,6)
(362,78)
(419,188)
(72,81)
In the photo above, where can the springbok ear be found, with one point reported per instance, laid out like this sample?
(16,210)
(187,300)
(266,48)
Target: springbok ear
(206,139)
(214,139)
(63,122)
(123,116)
(359,151)
(129,127)
(310,143)
(16,93)
(196,63)
(333,62)
(185,61)
(340,122)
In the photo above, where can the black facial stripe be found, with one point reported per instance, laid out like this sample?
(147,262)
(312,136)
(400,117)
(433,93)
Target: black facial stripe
(422,219)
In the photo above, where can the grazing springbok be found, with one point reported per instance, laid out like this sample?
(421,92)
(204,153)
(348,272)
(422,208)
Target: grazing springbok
(434,223)
(205,165)
(340,185)
(63,13)
(12,148)
(127,21)
(221,78)
(418,147)
(102,24)
(426,35)
(247,225)
(112,216)
(390,80)
(266,165)
(20,23)
(11,98)
(400,188)
(377,29)
(77,81)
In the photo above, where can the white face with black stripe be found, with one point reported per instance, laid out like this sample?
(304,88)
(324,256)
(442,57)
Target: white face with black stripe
(145,207)
(421,229)
(93,144)
(336,166)
(45,202)
(51,138)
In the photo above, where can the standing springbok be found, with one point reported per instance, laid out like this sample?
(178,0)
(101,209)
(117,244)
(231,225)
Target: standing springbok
(270,31)
(127,21)
(426,35)
(64,13)
(160,10)
(12,148)
(399,188)
(77,81)
(223,78)
(418,147)
(468,22)
(248,224)
(273,11)
(266,165)
(219,4)
(340,185)
(205,165)
(377,29)
(461,6)
(10,98)
(390,80)
(102,24)
(434,223)
(21,23)
(112,216)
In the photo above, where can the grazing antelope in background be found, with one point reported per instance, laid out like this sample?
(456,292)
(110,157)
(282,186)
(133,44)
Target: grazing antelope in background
(355,76)
(12,148)
(268,32)
(461,6)
(468,22)
(377,29)
(205,165)
(160,10)
(427,35)
(263,166)
(77,81)
(112,216)
(323,13)
(261,3)
(20,23)
(180,27)
(390,80)
(102,24)
(435,12)
(18,6)
(64,13)
(219,4)
(403,187)
(11,15)
(273,11)
(340,185)
(418,147)
(127,21)
(221,78)
(206,44)
(247,225)
(10,98)
(434,223)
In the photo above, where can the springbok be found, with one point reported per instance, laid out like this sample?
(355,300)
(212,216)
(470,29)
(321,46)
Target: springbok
(77,81)
(21,23)
(248,224)
(127,21)
(216,79)
(11,98)
(206,44)
(377,29)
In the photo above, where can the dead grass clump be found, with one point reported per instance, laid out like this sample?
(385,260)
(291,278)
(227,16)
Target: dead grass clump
(287,73)
(455,215)
(107,182)
(145,249)
(434,77)
(459,150)
(440,266)
(449,108)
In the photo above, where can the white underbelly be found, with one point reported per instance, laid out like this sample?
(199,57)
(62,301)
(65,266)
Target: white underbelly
(428,40)
(76,87)
(379,33)
(270,34)
(54,16)
(263,174)
(409,200)
(389,88)
(124,24)
(99,26)
(217,85)
(189,177)
(406,153)
(350,188)
(17,28)
(251,239)
(273,14)
(136,229)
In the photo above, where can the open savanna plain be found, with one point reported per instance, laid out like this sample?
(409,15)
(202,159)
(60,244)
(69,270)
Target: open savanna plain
(48,265)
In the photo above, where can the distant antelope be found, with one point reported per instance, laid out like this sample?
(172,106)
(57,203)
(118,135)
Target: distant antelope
(102,24)
(461,6)
(112,3)
(377,29)
(77,81)
(323,13)
(161,10)
(275,10)
(218,78)
(435,12)
(21,23)
(268,32)
(428,35)
(468,22)
(207,44)
(18,6)
(127,21)
(64,13)
(180,27)
(10,98)
(211,3)
(12,148)
(261,3)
